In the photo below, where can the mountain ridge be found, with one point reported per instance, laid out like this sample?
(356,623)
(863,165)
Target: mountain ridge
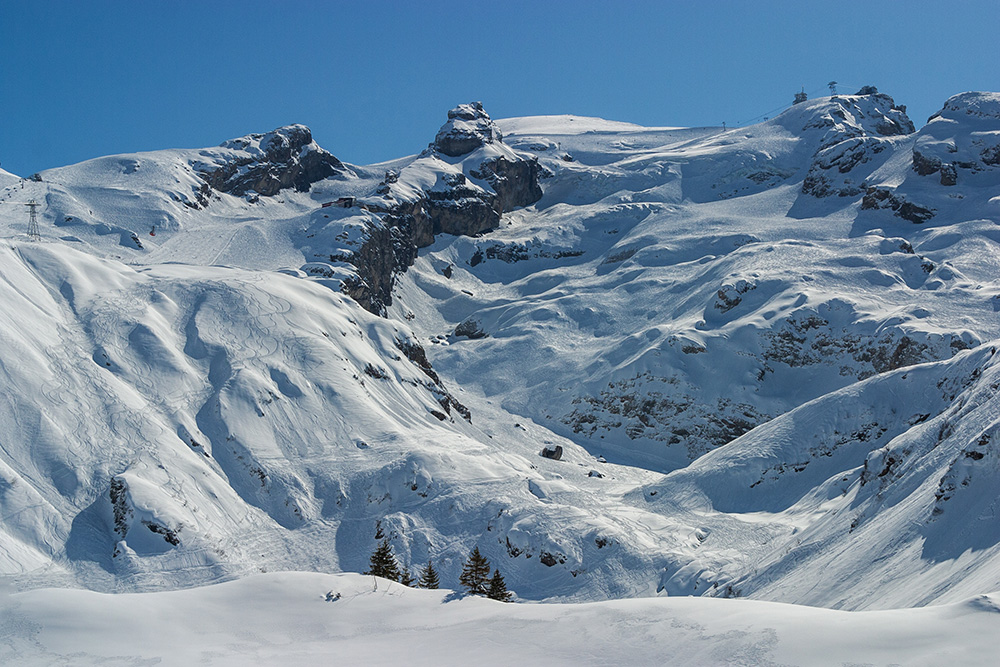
(219,367)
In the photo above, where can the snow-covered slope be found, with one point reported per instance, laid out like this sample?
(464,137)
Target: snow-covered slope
(672,255)
(766,353)
(278,619)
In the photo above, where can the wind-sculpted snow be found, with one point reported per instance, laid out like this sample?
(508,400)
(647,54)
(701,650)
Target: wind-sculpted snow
(767,354)
(282,618)
(177,424)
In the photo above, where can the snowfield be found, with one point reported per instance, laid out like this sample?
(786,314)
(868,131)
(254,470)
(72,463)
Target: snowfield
(767,354)
(283,618)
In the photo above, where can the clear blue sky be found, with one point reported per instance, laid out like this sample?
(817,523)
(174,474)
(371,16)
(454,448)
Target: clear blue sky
(374,79)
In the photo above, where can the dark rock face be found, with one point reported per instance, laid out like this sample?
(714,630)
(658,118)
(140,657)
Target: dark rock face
(923,165)
(468,128)
(516,183)
(455,205)
(876,198)
(283,158)
(388,248)
(471,329)
(555,453)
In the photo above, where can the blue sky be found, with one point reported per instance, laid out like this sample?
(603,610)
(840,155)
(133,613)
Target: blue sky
(374,79)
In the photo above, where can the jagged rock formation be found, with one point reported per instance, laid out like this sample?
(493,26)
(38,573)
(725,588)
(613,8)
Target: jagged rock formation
(468,128)
(857,128)
(887,198)
(434,196)
(267,163)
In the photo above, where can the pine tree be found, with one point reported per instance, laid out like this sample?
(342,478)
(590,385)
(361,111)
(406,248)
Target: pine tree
(475,573)
(498,588)
(383,563)
(405,577)
(429,577)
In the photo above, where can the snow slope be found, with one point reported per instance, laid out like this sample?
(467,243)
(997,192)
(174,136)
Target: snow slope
(281,619)
(766,353)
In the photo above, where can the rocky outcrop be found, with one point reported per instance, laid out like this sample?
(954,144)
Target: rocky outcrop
(515,182)
(887,198)
(418,357)
(959,139)
(267,163)
(466,199)
(857,130)
(468,128)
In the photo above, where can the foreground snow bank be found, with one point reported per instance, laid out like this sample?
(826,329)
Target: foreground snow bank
(284,619)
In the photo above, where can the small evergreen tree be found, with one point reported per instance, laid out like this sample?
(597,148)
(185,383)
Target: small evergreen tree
(475,573)
(405,577)
(429,577)
(383,563)
(498,588)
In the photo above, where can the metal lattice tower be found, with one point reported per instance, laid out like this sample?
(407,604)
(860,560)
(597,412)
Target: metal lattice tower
(33,234)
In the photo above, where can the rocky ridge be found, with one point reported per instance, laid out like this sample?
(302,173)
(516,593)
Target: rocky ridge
(264,164)
(437,194)
(856,128)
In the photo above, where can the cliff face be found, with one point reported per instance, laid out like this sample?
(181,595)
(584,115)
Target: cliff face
(461,185)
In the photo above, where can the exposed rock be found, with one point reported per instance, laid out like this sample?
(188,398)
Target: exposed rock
(856,127)
(471,329)
(882,197)
(991,156)
(923,165)
(553,452)
(961,136)
(456,204)
(729,296)
(416,354)
(516,182)
(123,513)
(267,163)
(949,175)
(468,128)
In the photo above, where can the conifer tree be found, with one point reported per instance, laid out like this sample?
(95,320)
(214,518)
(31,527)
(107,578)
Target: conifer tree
(475,573)
(429,577)
(383,563)
(498,588)
(405,577)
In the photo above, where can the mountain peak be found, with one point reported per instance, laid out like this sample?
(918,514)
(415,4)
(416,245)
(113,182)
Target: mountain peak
(266,163)
(468,128)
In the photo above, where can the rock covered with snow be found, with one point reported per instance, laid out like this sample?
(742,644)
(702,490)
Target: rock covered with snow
(962,138)
(267,163)
(468,128)
(854,130)
(433,196)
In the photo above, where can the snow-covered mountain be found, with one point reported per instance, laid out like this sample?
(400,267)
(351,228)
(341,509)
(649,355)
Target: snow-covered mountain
(767,354)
